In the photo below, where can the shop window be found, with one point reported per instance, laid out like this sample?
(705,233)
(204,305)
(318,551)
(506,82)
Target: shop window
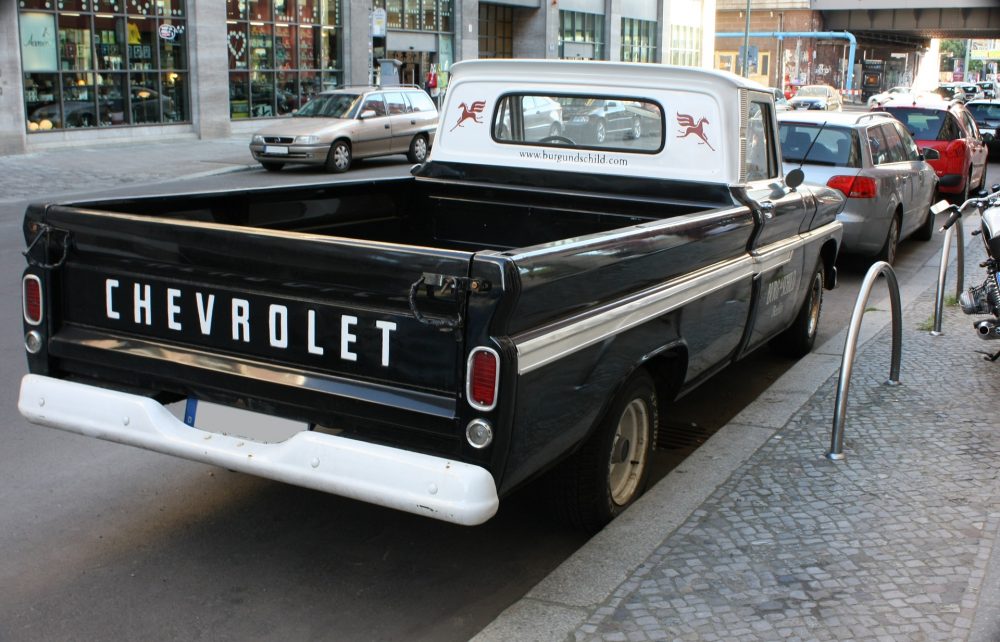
(74,42)
(111,99)
(261,94)
(140,7)
(285,53)
(237,45)
(285,45)
(142,48)
(430,15)
(286,98)
(444,12)
(173,44)
(394,14)
(104,63)
(145,103)
(261,46)
(236,9)
(411,14)
(239,96)
(310,47)
(110,43)
(260,9)
(284,10)
(309,12)
(175,90)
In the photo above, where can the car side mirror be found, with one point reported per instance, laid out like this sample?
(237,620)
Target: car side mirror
(988,138)
(368,113)
(795,178)
(928,154)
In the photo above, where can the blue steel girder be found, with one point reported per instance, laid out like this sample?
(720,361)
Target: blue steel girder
(820,35)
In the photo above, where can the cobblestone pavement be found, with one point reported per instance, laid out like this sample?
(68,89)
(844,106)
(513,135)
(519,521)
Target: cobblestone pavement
(75,169)
(891,544)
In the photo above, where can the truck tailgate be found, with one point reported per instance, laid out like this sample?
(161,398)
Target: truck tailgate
(314,327)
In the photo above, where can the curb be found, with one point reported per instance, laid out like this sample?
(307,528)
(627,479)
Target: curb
(555,607)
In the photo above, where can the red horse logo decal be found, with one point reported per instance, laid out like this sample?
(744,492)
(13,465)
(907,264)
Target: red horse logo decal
(470,112)
(698,129)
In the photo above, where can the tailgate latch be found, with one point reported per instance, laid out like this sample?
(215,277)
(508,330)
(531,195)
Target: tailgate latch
(439,285)
(46,231)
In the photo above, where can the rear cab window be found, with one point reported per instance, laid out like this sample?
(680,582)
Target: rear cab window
(621,123)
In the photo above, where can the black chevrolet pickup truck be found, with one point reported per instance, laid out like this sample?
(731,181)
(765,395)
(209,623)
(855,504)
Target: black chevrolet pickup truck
(524,305)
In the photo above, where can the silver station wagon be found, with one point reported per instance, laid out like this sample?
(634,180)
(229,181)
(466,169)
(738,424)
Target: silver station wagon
(872,159)
(338,126)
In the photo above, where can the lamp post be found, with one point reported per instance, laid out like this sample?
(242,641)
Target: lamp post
(746,44)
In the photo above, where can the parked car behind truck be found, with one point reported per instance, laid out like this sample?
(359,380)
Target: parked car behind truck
(515,310)
(874,162)
(337,127)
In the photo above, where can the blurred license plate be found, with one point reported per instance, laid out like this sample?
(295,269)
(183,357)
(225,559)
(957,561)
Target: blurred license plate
(275,149)
(235,422)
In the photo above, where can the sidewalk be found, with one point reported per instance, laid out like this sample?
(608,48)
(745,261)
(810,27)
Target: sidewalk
(54,172)
(757,536)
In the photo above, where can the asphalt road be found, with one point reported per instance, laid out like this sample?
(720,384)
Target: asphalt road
(102,541)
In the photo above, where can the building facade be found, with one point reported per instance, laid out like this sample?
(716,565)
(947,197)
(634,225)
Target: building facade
(84,71)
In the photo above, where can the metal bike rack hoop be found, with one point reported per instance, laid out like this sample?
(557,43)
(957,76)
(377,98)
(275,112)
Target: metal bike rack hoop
(851,346)
(943,272)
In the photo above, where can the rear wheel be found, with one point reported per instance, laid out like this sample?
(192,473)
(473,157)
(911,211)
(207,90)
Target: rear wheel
(338,159)
(799,338)
(611,469)
(926,231)
(272,167)
(418,149)
(888,251)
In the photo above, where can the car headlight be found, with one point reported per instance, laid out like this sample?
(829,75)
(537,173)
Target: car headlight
(257,139)
(307,140)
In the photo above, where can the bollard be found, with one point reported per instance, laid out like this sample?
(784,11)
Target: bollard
(943,273)
(851,346)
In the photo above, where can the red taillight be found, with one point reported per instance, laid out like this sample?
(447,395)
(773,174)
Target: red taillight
(854,186)
(483,378)
(31,299)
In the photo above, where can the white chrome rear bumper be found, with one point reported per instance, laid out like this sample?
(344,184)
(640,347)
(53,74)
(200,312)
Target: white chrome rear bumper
(416,483)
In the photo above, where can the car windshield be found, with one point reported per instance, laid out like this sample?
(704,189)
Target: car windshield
(329,106)
(836,146)
(985,111)
(924,124)
(812,92)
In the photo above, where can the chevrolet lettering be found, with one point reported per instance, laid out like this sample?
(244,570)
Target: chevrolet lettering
(587,242)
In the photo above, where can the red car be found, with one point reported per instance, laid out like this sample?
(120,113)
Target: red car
(949,128)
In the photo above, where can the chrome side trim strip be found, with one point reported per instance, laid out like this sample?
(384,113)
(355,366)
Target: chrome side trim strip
(539,350)
(535,350)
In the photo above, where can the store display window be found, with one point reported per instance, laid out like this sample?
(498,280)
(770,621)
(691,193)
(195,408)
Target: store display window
(103,63)
(281,52)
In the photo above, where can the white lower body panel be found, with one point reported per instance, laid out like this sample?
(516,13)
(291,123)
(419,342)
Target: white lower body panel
(413,482)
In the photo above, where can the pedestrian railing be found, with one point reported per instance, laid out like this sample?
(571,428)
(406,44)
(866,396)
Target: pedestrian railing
(943,272)
(851,347)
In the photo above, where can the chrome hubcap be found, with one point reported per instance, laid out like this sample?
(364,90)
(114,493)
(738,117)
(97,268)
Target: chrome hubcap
(628,452)
(420,148)
(341,156)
